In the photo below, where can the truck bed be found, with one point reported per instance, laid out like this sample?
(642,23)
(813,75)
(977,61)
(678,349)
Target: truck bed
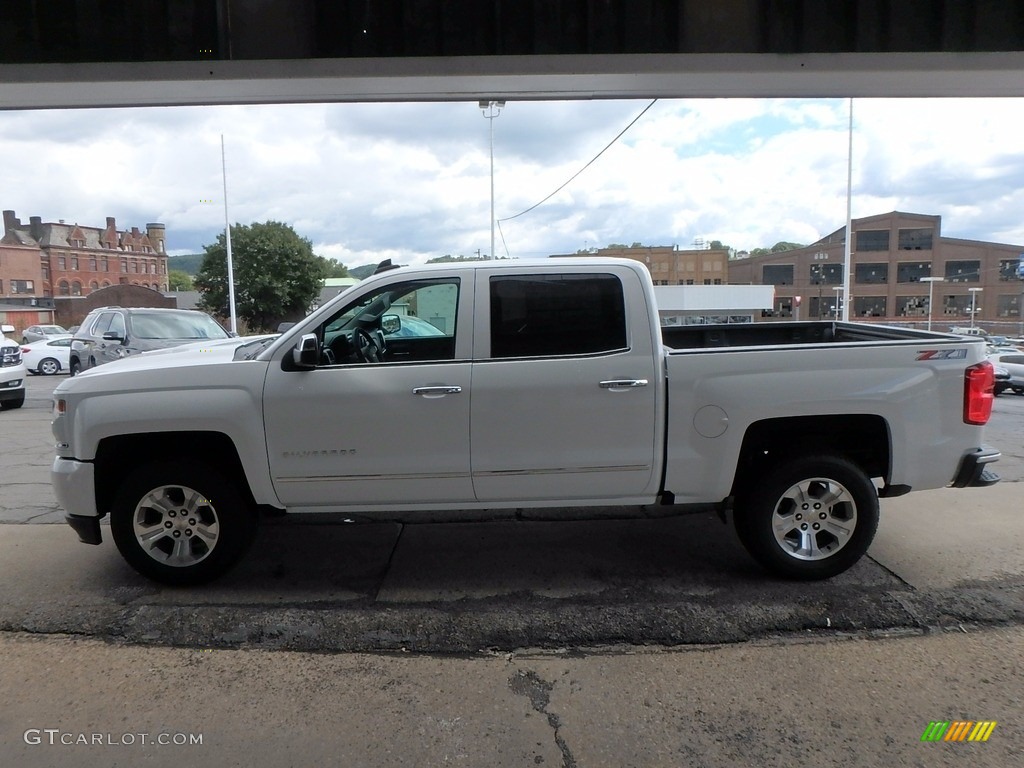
(782,334)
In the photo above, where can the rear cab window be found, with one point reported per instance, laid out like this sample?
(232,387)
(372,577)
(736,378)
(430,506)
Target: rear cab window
(556,315)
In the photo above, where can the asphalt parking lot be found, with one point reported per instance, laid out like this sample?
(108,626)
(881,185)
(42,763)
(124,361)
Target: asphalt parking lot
(941,558)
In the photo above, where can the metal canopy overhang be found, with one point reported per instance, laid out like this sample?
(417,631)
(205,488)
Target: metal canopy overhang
(470,78)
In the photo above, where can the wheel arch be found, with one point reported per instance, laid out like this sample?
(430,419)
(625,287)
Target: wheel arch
(123,453)
(863,439)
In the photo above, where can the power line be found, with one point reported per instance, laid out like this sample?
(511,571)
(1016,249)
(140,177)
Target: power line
(581,170)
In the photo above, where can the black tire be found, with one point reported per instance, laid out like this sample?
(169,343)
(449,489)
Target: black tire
(48,366)
(9,405)
(776,517)
(205,523)
(74,366)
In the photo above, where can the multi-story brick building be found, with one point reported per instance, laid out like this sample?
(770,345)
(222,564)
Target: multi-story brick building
(891,255)
(670,265)
(73,260)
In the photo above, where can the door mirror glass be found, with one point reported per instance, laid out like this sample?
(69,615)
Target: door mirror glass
(306,353)
(391,324)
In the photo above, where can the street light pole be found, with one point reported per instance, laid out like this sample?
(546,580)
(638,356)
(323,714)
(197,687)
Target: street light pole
(848,247)
(974,297)
(839,306)
(491,110)
(931,283)
(227,242)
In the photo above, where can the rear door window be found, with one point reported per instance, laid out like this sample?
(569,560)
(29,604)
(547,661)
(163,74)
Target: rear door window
(556,315)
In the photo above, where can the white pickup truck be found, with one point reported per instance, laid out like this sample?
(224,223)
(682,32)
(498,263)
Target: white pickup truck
(514,385)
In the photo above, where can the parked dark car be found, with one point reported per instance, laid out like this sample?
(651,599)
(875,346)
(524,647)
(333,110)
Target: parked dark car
(1013,362)
(111,333)
(1001,379)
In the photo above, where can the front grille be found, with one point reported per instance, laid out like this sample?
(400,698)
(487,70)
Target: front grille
(10,356)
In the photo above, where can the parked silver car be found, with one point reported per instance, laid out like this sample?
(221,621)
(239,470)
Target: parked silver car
(37,332)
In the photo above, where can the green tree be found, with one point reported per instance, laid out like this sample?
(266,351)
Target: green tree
(332,268)
(277,275)
(782,245)
(177,280)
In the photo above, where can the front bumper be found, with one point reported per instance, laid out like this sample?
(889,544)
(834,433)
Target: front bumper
(74,485)
(12,390)
(87,528)
(973,471)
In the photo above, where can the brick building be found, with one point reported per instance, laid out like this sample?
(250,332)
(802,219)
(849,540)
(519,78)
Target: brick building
(41,260)
(891,254)
(669,265)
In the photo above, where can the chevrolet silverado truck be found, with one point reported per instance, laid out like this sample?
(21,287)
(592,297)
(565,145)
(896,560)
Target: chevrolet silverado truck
(508,386)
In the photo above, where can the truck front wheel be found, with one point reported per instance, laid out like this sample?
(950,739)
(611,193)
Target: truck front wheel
(181,523)
(809,518)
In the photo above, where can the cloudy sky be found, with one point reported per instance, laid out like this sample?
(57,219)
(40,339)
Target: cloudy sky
(411,181)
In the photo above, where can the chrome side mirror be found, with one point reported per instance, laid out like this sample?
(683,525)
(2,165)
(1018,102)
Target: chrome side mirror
(306,354)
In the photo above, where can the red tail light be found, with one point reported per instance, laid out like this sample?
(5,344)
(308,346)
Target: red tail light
(979,384)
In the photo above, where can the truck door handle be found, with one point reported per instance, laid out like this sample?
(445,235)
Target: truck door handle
(623,383)
(443,389)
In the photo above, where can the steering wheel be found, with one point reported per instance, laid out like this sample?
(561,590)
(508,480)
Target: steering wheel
(367,347)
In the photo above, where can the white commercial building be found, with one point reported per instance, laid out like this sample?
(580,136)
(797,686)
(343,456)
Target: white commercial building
(707,304)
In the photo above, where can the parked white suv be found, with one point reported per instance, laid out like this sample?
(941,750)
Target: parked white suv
(12,371)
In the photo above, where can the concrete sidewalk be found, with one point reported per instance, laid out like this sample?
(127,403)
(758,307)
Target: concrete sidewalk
(848,704)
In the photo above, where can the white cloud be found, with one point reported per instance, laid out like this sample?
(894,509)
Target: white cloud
(411,181)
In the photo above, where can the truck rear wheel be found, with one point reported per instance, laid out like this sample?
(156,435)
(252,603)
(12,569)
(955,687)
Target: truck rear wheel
(181,523)
(809,518)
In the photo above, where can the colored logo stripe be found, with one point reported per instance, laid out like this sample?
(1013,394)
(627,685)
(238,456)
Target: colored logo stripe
(958,730)
(982,731)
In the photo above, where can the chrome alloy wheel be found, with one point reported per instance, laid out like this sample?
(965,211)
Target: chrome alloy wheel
(49,367)
(176,525)
(814,519)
